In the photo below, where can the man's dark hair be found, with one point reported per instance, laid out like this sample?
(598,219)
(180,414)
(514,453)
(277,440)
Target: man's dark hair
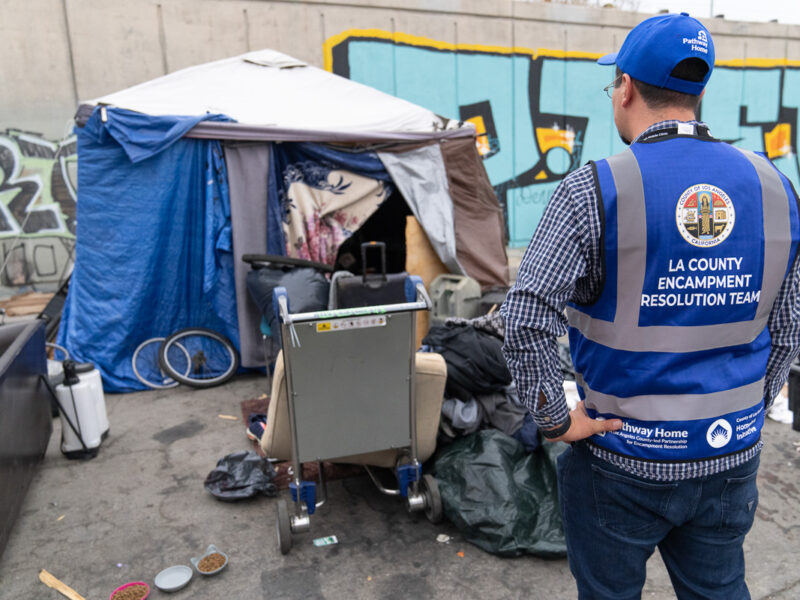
(689,69)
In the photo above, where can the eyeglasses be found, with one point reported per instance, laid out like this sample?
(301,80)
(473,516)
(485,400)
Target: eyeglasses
(609,89)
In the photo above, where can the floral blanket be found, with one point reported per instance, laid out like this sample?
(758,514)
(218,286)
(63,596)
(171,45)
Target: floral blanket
(322,207)
(319,195)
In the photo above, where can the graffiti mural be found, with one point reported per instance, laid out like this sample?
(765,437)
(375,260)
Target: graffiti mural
(540,114)
(37,208)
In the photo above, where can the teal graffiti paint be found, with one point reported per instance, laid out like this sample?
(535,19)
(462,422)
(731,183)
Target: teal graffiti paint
(540,116)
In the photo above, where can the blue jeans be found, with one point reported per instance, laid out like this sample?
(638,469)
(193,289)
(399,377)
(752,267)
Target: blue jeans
(613,522)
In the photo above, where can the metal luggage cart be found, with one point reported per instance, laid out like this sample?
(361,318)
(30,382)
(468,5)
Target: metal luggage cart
(349,376)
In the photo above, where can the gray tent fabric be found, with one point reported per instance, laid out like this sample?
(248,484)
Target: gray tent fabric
(269,133)
(237,131)
(479,225)
(248,164)
(420,176)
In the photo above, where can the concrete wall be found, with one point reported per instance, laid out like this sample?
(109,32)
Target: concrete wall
(523,72)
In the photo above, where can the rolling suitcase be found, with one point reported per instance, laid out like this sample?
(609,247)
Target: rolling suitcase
(370,289)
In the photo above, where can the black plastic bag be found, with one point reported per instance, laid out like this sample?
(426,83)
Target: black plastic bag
(502,498)
(241,475)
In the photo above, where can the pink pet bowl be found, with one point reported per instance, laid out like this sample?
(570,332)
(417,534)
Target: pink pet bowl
(131,584)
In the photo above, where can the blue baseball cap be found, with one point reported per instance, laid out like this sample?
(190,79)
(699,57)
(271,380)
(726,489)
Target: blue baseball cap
(656,45)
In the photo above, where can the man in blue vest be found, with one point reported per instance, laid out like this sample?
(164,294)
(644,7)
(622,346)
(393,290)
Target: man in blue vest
(672,265)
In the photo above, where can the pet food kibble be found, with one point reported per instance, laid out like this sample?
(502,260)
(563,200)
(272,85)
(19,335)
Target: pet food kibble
(132,592)
(212,562)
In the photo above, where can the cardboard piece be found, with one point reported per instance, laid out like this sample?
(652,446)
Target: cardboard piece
(422,260)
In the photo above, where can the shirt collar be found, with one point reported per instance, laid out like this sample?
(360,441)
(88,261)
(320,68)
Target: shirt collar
(661,125)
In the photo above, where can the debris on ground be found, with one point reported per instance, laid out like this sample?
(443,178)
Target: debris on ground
(241,475)
(326,541)
(62,588)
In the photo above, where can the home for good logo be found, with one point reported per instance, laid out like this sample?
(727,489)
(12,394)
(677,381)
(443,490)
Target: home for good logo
(719,433)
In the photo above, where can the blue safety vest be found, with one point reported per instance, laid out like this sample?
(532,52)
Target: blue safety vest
(697,239)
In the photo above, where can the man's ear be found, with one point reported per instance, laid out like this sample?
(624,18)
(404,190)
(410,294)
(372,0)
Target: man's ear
(628,90)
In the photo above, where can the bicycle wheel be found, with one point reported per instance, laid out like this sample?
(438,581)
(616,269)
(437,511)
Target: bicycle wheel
(146,367)
(212,359)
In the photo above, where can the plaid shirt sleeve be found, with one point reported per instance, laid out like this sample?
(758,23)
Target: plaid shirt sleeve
(784,328)
(560,264)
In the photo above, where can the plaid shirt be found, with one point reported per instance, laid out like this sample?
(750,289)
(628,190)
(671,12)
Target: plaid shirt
(562,263)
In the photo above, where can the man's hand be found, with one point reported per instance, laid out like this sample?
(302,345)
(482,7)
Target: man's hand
(583,426)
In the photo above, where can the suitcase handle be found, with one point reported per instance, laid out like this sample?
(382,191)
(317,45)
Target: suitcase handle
(364,247)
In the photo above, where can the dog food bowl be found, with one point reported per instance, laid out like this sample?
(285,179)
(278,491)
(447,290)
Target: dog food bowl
(128,585)
(212,549)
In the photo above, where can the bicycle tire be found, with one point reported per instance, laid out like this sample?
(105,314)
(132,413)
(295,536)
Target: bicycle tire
(147,382)
(204,382)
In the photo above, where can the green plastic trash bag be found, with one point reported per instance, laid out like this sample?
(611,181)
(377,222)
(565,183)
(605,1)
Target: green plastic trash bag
(502,499)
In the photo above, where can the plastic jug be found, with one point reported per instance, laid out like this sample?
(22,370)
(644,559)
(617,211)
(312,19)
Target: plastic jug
(84,421)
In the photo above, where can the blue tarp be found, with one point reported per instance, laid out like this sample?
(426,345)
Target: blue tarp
(153,248)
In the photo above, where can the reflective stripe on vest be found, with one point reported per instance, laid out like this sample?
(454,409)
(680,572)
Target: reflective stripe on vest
(680,407)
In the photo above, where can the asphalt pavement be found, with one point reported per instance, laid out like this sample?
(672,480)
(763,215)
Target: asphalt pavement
(140,507)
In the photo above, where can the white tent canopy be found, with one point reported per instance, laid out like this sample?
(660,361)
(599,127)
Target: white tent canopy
(266,89)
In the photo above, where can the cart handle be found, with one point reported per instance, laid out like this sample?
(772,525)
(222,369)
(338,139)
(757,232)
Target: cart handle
(413,283)
(280,302)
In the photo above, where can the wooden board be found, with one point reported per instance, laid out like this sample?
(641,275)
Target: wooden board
(422,260)
(58,585)
(29,303)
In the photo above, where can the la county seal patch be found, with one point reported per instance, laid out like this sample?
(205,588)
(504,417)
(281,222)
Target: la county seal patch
(705,215)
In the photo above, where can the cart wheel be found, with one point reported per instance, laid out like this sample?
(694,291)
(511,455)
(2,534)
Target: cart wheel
(433,500)
(284,527)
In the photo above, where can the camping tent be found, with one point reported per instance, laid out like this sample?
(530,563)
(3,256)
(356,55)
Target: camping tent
(180,176)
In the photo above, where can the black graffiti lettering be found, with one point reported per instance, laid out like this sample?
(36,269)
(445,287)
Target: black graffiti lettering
(33,148)
(481,113)
(61,182)
(28,210)
(7,167)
